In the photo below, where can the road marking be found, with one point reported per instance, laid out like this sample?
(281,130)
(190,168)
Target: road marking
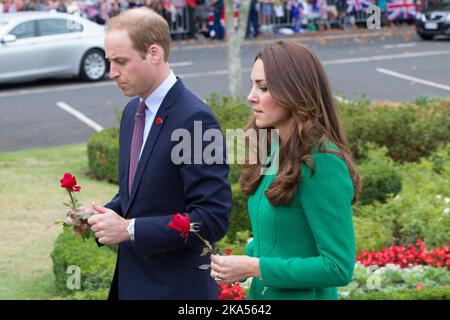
(180,64)
(57,88)
(387,57)
(402,45)
(417,80)
(94,125)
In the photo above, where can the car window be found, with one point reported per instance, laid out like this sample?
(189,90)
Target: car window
(74,26)
(24,30)
(58,26)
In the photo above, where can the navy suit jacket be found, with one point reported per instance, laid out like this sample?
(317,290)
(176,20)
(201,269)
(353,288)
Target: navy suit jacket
(159,263)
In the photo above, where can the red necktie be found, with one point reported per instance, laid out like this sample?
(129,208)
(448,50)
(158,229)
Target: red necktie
(136,142)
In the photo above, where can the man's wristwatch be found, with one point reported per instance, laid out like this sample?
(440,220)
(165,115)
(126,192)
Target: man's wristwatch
(130,230)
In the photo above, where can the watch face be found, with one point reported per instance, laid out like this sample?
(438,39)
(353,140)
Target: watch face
(130,229)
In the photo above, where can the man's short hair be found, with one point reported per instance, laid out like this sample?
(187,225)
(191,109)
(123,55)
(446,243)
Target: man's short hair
(145,27)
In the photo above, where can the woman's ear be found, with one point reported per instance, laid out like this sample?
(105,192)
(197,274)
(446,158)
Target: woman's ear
(155,53)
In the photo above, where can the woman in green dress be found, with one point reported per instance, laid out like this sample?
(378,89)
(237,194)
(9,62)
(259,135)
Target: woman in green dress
(303,243)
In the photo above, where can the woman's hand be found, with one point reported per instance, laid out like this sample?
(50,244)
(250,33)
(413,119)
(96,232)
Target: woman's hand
(229,269)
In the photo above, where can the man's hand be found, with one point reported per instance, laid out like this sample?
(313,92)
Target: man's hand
(78,219)
(109,227)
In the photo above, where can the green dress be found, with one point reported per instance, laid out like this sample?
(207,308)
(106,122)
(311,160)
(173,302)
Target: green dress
(306,249)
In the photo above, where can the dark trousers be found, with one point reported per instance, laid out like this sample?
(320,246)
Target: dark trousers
(220,30)
(192,22)
(253,21)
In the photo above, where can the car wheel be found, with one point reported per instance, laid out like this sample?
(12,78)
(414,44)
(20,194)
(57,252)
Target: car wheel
(425,36)
(93,65)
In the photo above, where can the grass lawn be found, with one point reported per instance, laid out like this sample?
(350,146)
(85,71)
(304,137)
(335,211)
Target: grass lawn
(30,201)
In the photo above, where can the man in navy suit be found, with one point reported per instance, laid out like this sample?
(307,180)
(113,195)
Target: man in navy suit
(154,261)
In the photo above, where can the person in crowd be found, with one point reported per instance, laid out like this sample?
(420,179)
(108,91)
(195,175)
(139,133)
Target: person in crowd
(73,8)
(202,12)
(218,8)
(253,20)
(61,6)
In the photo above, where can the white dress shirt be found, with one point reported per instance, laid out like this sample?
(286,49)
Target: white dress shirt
(153,103)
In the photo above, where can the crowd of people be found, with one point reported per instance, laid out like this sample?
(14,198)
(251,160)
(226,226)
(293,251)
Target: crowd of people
(195,18)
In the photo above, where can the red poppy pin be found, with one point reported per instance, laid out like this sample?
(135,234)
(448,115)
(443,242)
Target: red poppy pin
(159,121)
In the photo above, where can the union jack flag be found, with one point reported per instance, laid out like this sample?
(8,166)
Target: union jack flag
(358,5)
(401,9)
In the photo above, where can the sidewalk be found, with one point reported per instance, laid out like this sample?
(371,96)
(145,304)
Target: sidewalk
(332,34)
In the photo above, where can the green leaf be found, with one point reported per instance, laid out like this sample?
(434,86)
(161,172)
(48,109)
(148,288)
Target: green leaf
(82,217)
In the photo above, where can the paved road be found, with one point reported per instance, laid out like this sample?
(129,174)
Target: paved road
(379,65)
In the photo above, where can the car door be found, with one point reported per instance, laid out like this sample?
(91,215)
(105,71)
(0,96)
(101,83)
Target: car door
(19,58)
(60,42)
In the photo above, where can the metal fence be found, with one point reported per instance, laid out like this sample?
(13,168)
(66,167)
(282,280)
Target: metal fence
(179,21)
(327,17)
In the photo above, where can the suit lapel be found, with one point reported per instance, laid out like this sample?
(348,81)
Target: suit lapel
(152,138)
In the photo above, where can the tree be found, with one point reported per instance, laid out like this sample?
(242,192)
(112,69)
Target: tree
(235,36)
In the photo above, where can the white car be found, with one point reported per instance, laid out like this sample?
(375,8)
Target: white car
(37,45)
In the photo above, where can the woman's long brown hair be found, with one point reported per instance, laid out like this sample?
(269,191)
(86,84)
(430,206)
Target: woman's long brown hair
(297,81)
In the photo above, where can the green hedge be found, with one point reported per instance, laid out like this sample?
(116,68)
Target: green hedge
(409,131)
(419,211)
(231,113)
(237,244)
(96,264)
(103,154)
(101,294)
(371,235)
(381,179)
(239,219)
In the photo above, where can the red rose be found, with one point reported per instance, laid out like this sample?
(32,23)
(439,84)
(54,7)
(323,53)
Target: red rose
(419,286)
(69,182)
(158,121)
(227,252)
(181,222)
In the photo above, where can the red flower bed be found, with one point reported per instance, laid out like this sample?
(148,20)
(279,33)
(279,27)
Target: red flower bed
(231,291)
(404,256)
